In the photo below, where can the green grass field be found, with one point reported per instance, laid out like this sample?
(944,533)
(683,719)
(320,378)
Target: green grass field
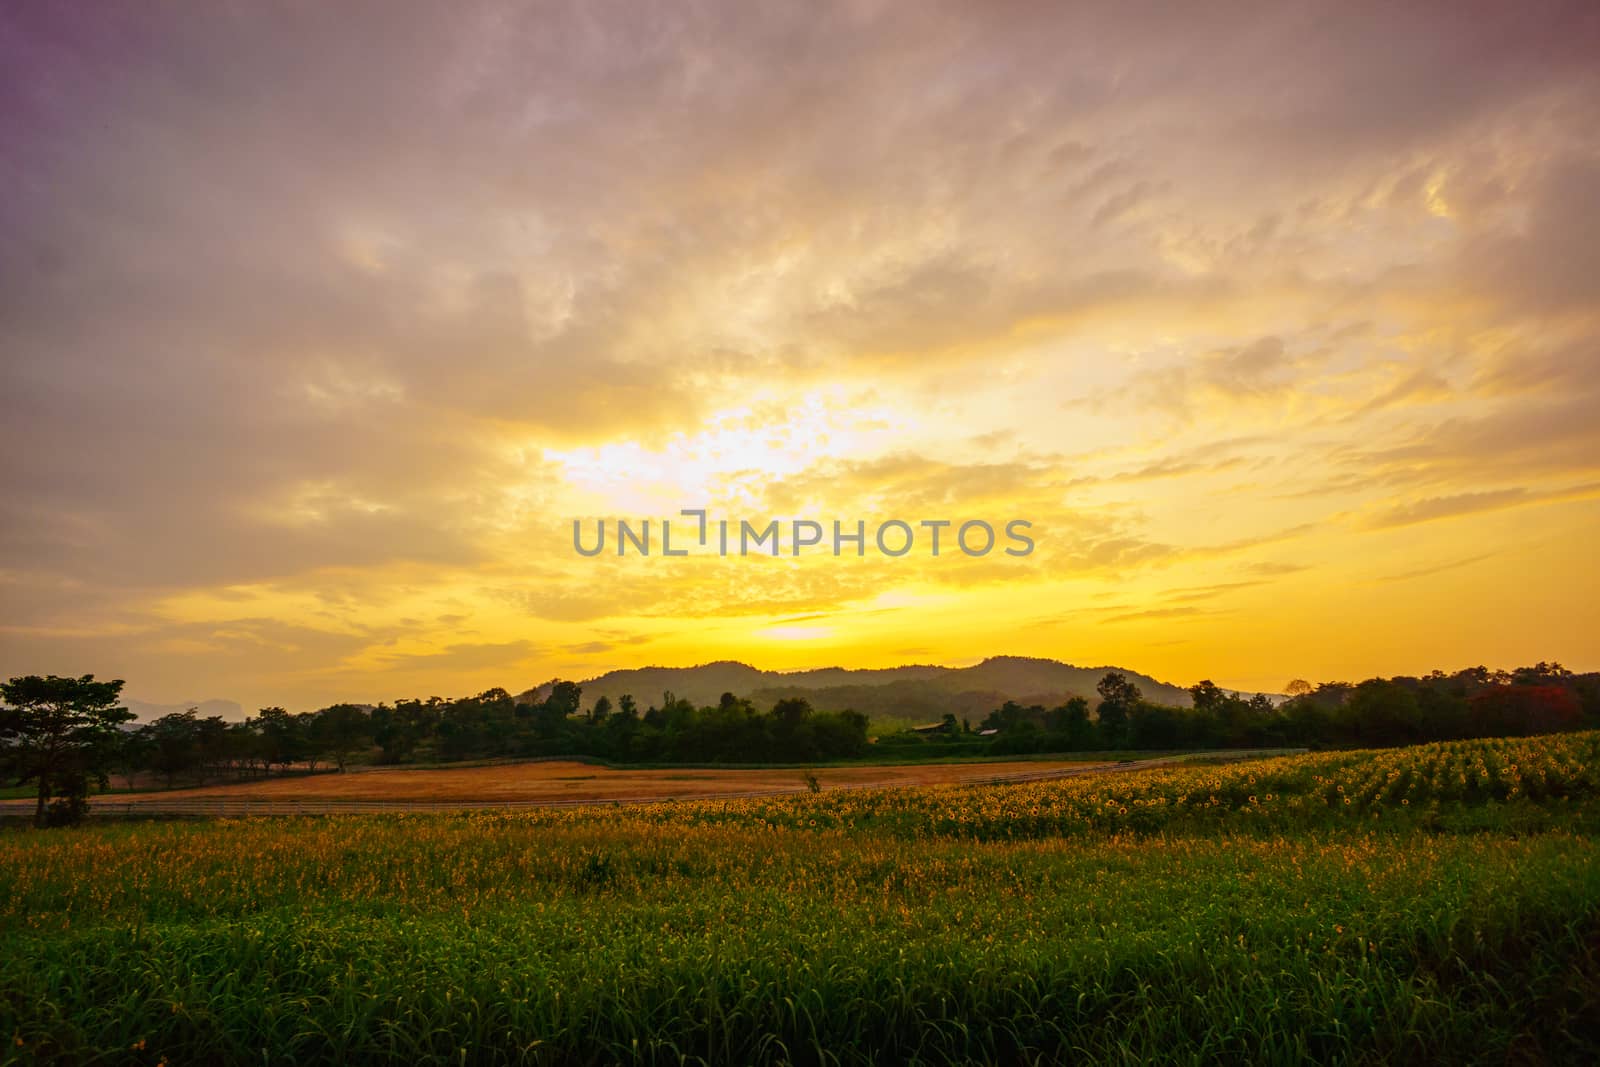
(1439,904)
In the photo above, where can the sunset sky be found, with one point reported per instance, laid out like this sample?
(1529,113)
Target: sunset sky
(322,322)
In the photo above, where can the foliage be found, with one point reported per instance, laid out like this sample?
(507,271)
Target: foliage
(59,732)
(182,746)
(1261,915)
(1395,711)
(494,724)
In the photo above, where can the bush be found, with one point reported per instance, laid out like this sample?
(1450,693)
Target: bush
(70,804)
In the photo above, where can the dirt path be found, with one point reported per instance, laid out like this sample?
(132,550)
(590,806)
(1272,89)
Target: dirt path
(569,784)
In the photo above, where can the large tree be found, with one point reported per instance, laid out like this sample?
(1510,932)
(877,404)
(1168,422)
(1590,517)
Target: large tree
(341,730)
(60,732)
(283,739)
(1118,698)
(174,741)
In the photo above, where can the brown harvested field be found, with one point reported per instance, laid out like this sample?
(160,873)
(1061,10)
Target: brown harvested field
(573,781)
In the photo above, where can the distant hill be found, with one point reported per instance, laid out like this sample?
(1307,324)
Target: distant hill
(149,712)
(917,692)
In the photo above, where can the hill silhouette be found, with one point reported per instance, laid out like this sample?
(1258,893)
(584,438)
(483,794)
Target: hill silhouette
(912,693)
(148,711)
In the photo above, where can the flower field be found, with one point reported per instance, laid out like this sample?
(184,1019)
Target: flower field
(1512,781)
(1438,903)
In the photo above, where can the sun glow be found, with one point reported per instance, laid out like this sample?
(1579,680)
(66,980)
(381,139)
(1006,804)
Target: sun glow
(730,460)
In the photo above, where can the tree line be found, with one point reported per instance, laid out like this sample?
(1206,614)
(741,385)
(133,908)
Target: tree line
(1477,702)
(495,724)
(66,734)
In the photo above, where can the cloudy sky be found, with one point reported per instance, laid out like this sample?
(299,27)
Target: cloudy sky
(320,323)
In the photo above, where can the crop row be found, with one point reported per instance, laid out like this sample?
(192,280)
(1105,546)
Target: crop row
(1404,786)
(448,940)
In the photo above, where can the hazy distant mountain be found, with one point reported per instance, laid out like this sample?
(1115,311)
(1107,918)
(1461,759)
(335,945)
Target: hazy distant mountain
(148,712)
(918,692)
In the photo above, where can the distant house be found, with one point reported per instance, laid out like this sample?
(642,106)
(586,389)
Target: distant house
(932,728)
(990,732)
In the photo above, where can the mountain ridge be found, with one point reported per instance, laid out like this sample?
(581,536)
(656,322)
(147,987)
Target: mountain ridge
(909,692)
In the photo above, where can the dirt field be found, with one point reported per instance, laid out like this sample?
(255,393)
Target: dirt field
(572,781)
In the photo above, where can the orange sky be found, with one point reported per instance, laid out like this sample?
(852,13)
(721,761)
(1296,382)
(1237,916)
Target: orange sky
(321,326)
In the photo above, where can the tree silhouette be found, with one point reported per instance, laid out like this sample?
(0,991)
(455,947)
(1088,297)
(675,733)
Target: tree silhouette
(1118,698)
(1206,696)
(341,729)
(60,732)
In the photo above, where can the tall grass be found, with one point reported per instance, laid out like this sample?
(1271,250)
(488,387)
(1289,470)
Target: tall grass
(738,933)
